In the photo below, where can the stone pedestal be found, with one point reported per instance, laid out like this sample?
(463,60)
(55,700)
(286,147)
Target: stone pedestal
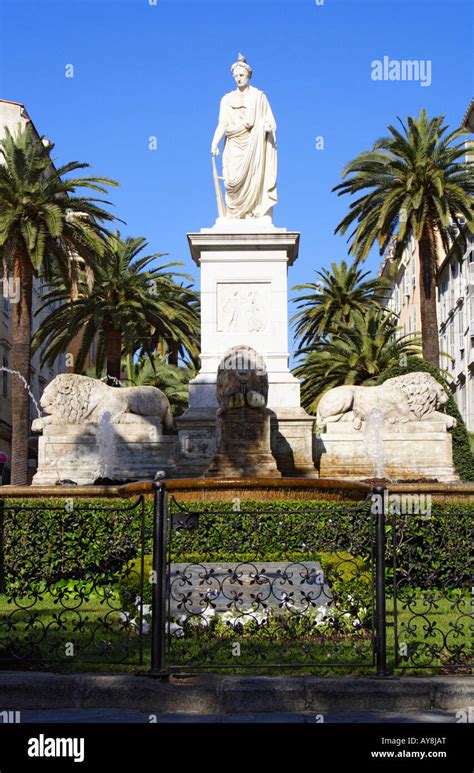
(244,301)
(292,442)
(243,445)
(83,453)
(417,450)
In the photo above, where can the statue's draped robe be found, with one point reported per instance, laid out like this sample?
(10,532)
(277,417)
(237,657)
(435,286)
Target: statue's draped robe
(249,159)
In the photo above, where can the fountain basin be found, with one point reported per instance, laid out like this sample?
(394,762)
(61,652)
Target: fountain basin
(258,489)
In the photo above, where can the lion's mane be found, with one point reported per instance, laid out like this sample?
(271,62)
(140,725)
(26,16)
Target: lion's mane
(72,396)
(421,390)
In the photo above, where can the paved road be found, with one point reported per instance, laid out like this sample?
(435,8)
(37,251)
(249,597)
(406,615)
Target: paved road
(95,716)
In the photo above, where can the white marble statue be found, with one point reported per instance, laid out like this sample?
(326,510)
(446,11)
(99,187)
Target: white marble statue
(74,399)
(249,158)
(410,398)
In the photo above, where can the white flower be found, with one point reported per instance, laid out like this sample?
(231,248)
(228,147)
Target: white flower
(126,618)
(176,630)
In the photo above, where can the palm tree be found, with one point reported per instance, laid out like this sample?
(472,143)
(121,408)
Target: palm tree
(124,306)
(173,380)
(173,348)
(334,298)
(414,183)
(42,222)
(355,353)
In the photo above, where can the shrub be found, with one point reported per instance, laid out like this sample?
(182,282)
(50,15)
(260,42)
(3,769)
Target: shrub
(93,544)
(434,552)
(45,542)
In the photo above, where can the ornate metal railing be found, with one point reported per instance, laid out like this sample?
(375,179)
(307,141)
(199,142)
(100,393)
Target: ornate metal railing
(270,587)
(431,590)
(358,588)
(71,582)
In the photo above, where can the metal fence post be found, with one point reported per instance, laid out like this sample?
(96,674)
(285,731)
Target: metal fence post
(380,599)
(158,623)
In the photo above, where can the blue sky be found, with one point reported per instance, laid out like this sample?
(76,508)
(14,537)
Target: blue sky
(143,69)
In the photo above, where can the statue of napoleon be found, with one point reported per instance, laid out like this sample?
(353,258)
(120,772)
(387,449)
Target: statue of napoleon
(249,158)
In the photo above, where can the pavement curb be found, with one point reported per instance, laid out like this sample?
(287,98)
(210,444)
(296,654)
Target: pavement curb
(214,694)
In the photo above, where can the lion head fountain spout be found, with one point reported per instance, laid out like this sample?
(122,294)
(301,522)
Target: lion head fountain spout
(243,420)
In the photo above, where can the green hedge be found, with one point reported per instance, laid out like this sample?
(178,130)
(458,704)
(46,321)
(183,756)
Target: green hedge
(45,546)
(92,544)
(463,458)
(434,552)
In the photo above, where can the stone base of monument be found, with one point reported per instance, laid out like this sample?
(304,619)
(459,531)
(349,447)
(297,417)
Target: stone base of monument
(420,450)
(122,452)
(291,440)
(196,441)
(243,445)
(244,265)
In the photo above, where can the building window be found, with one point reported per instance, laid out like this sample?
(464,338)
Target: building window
(406,285)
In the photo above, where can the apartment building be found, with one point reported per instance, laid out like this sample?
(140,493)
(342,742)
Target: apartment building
(403,296)
(456,310)
(456,325)
(455,282)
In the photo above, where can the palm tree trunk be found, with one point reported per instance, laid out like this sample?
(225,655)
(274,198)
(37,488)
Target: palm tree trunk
(114,356)
(428,292)
(21,356)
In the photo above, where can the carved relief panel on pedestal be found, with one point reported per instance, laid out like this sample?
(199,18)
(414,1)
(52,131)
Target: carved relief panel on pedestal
(243,307)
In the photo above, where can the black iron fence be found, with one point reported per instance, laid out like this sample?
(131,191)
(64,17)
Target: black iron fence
(377,586)
(270,588)
(72,583)
(430,590)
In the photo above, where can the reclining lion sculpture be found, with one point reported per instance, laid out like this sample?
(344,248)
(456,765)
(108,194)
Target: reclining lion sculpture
(413,397)
(74,399)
